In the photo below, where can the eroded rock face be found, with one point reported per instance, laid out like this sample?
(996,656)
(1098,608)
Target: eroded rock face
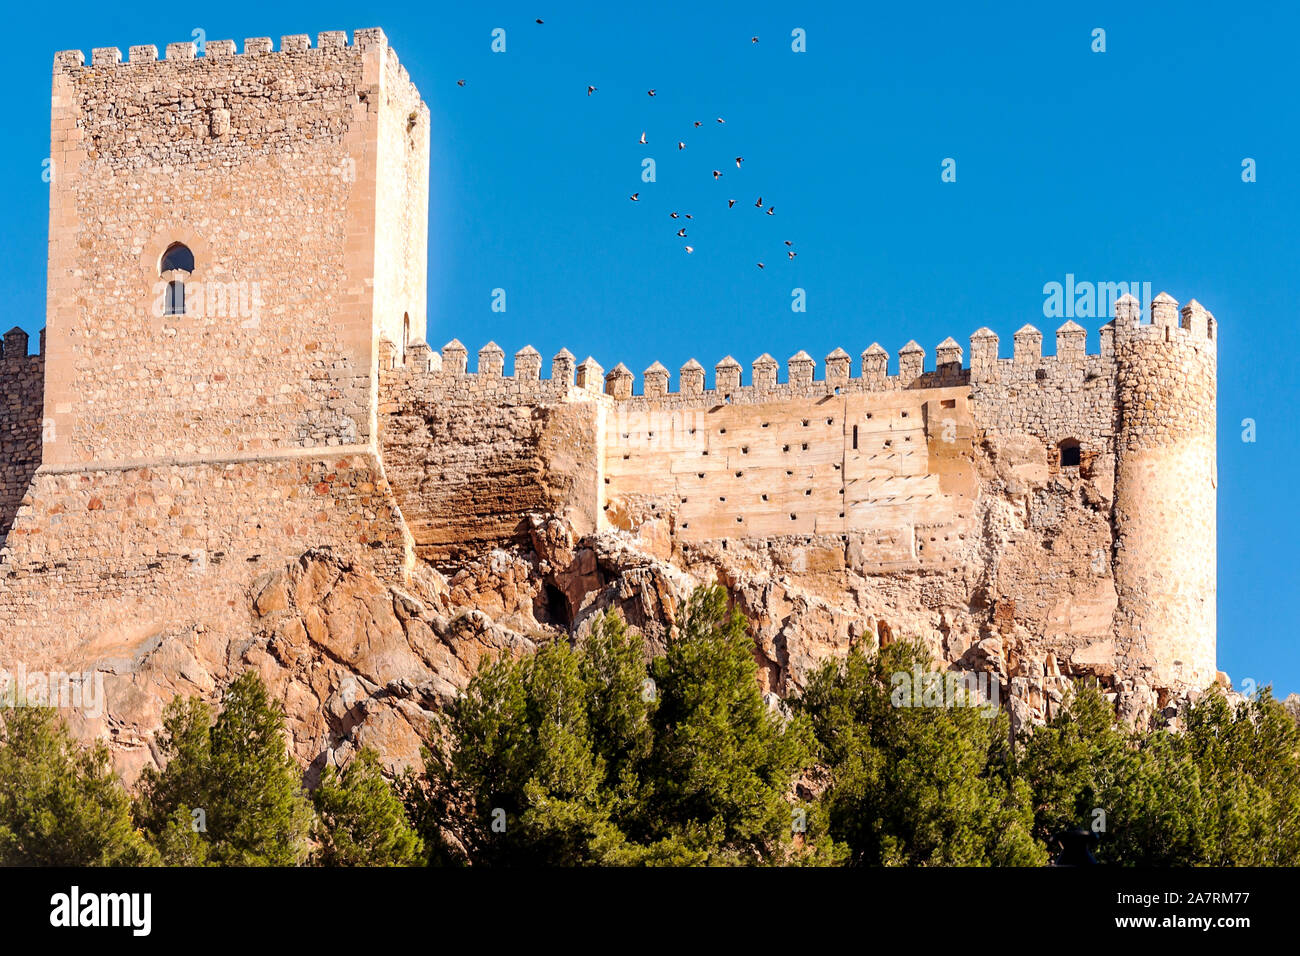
(355,662)
(358,661)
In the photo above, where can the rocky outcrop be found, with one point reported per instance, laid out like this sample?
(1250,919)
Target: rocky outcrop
(354,661)
(358,661)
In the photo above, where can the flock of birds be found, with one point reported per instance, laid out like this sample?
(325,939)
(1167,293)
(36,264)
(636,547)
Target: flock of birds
(717,175)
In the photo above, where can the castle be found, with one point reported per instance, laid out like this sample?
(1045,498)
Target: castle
(234,372)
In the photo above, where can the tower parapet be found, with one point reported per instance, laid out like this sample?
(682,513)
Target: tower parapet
(1071,363)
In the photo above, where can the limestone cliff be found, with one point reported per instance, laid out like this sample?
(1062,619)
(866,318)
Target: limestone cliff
(358,661)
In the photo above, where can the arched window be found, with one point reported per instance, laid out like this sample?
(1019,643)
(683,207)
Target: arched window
(1070,453)
(176,265)
(177,257)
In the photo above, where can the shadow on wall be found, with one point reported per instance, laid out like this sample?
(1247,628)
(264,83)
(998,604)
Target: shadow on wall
(19,474)
(22,392)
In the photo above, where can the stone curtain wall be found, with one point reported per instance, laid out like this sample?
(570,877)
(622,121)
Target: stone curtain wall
(22,379)
(99,562)
(854,462)
(950,475)
(266,165)
(805,456)
(470,456)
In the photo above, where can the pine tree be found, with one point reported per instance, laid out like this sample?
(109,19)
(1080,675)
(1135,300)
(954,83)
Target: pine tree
(579,754)
(360,819)
(234,776)
(60,803)
(521,782)
(914,785)
(1222,791)
(721,771)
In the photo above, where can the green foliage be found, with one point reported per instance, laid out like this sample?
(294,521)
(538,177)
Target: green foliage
(360,820)
(236,772)
(914,785)
(722,764)
(1247,762)
(179,843)
(60,804)
(595,753)
(1223,792)
(580,754)
(1085,769)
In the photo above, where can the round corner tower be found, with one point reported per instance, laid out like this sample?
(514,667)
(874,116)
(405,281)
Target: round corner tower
(1165,492)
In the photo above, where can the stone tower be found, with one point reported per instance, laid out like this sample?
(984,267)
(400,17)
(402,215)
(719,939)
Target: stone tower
(234,381)
(1165,540)
(237,243)
(291,189)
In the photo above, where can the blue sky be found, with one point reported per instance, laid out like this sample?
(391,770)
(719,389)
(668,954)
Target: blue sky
(1114,166)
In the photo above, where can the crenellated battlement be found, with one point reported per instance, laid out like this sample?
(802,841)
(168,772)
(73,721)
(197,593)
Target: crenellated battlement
(188,51)
(14,346)
(179,451)
(1193,325)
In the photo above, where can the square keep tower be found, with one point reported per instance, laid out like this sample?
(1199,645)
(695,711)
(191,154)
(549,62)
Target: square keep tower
(231,235)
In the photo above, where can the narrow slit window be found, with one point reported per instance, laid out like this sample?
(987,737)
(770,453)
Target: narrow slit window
(175,266)
(174,303)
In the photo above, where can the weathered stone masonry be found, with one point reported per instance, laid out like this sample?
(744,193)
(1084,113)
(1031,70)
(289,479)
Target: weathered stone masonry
(184,454)
(1040,516)
(1063,501)
(22,381)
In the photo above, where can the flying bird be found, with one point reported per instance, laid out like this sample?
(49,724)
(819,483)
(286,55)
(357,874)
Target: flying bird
(721,120)
(761,266)
(690,248)
(739,160)
(681,233)
(698,123)
(770,210)
(789,243)
(792,254)
(643,139)
(635,197)
(673,214)
(751,39)
(590,90)
(689,216)
(759,204)
(649,92)
(539,21)
(717,175)
(460,82)
(681,145)
(730,203)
